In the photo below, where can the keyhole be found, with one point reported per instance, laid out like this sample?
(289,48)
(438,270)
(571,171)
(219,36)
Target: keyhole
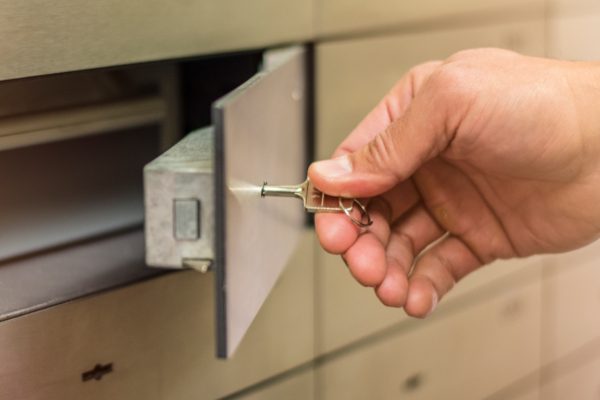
(413,382)
(97,372)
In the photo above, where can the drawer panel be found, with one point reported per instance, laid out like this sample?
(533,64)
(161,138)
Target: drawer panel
(341,16)
(346,68)
(571,301)
(159,337)
(578,378)
(67,36)
(573,7)
(297,387)
(468,355)
(572,37)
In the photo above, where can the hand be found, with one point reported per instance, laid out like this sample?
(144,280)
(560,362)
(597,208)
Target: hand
(486,155)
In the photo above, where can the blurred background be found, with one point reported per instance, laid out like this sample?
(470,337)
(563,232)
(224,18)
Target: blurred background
(90,93)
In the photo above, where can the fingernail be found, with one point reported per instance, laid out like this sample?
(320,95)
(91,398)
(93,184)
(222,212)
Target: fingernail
(434,302)
(333,168)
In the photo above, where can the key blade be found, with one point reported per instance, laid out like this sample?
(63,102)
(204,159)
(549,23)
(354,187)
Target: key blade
(317,201)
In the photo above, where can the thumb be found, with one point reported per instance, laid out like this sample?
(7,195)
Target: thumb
(392,155)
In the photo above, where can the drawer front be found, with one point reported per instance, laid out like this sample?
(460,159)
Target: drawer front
(572,34)
(204,198)
(577,379)
(571,301)
(340,16)
(573,7)
(468,355)
(346,68)
(299,386)
(159,336)
(346,310)
(66,36)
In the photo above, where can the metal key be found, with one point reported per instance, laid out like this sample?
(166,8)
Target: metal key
(316,201)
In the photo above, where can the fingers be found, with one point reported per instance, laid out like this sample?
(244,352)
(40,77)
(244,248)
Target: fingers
(408,238)
(337,233)
(366,260)
(423,131)
(459,208)
(435,274)
(476,235)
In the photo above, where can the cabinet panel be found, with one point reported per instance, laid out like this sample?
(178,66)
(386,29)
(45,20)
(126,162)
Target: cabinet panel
(573,7)
(468,355)
(339,16)
(40,38)
(573,37)
(571,301)
(580,381)
(349,84)
(371,66)
(159,338)
(296,387)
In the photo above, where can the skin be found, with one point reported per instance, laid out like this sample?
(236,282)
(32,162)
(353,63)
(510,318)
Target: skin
(486,155)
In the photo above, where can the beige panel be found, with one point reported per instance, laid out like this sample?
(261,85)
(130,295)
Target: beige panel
(353,75)
(581,382)
(573,7)
(575,37)
(297,387)
(530,394)
(468,355)
(40,38)
(571,302)
(348,311)
(339,16)
(351,78)
(159,335)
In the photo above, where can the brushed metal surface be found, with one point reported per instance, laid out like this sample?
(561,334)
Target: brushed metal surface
(183,173)
(33,283)
(260,135)
(41,38)
(69,190)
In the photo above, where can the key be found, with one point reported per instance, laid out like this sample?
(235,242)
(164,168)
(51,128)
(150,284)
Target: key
(316,201)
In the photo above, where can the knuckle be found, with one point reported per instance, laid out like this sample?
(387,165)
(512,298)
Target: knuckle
(381,150)
(453,82)
(480,53)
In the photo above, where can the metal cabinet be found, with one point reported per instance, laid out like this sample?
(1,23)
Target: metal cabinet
(69,36)
(155,340)
(83,317)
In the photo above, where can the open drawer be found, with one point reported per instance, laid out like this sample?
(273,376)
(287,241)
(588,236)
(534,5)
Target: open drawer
(204,207)
(73,210)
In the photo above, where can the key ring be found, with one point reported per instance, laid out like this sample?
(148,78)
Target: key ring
(363,213)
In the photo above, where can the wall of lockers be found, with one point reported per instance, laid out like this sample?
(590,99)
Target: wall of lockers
(518,329)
